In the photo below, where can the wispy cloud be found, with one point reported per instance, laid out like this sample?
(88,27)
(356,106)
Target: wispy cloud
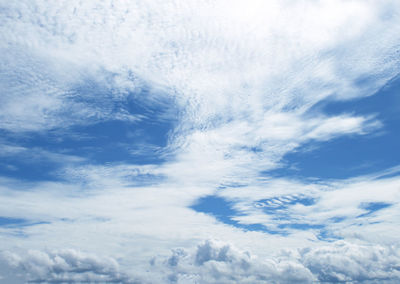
(208,98)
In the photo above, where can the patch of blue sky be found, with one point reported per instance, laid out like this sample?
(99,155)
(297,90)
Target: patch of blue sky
(372,207)
(5,221)
(327,235)
(9,222)
(390,173)
(26,168)
(223,211)
(231,185)
(301,226)
(351,155)
(276,205)
(337,219)
(145,180)
(101,143)
(114,141)
(278,209)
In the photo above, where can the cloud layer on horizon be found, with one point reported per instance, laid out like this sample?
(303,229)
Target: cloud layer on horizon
(216,262)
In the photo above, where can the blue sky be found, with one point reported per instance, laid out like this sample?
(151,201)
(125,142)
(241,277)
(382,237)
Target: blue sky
(350,156)
(212,142)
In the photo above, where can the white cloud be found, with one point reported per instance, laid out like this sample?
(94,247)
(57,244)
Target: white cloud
(216,262)
(62,266)
(37,154)
(351,262)
(135,224)
(241,79)
(220,62)
(359,208)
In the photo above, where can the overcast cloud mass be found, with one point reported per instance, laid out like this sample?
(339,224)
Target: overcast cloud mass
(151,141)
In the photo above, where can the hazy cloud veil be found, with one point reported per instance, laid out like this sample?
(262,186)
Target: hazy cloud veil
(199,141)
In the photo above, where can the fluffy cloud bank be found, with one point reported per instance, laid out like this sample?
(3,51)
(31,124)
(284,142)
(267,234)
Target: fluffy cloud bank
(62,266)
(217,262)
(337,262)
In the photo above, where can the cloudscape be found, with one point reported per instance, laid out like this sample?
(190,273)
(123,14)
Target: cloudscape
(215,141)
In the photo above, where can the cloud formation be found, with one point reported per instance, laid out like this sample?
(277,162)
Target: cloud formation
(64,266)
(217,93)
(218,262)
(341,261)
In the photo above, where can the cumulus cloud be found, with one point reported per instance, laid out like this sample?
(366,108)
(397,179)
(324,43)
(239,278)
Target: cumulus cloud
(344,261)
(64,266)
(216,262)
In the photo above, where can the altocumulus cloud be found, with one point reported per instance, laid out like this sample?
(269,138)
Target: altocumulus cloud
(134,131)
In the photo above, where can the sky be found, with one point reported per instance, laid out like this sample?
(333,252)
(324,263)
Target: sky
(216,141)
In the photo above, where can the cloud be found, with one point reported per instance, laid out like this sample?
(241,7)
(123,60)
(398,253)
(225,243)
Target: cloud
(238,64)
(216,262)
(41,93)
(351,262)
(62,266)
(238,82)
(117,217)
(330,209)
(37,154)
(242,80)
